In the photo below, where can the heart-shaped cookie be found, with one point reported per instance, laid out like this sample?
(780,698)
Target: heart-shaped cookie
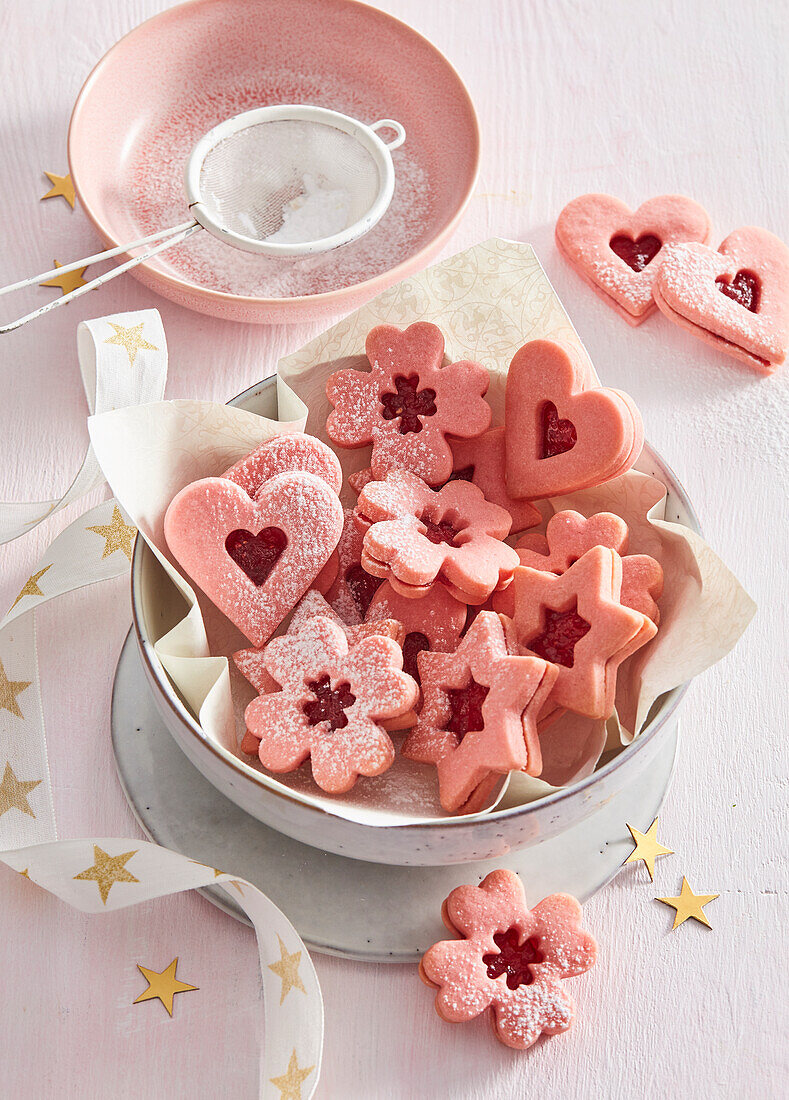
(285,454)
(563,434)
(617,251)
(736,298)
(254,559)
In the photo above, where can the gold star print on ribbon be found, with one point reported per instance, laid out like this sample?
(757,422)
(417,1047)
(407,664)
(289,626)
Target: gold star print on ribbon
(14,792)
(30,587)
(68,282)
(216,870)
(162,985)
(289,1084)
(107,870)
(117,535)
(62,187)
(287,969)
(130,338)
(689,905)
(647,848)
(9,689)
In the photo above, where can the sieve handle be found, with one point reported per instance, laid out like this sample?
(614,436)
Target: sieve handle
(167,238)
(390,124)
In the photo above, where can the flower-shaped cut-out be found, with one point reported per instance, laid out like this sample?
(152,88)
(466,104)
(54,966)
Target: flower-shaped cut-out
(417,537)
(511,959)
(408,402)
(332,703)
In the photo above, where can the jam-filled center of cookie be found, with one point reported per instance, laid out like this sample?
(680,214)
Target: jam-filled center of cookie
(362,587)
(465,473)
(636,253)
(465,708)
(558,435)
(329,704)
(443,530)
(408,404)
(562,630)
(414,643)
(515,959)
(745,288)
(256,554)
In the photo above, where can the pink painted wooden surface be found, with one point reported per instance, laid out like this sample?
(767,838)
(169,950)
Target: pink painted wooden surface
(632,99)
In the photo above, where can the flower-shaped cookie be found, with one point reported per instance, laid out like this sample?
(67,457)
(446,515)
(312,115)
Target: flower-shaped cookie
(432,623)
(482,461)
(511,959)
(408,402)
(479,711)
(418,536)
(331,705)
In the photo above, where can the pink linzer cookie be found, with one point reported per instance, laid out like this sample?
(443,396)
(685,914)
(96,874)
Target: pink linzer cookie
(418,537)
(482,462)
(254,559)
(617,251)
(510,959)
(578,622)
(736,298)
(563,433)
(353,587)
(479,711)
(332,703)
(286,454)
(433,623)
(408,402)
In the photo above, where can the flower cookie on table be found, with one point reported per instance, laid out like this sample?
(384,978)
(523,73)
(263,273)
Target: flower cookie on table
(418,537)
(479,712)
(332,702)
(509,958)
(408,402)
(433,623)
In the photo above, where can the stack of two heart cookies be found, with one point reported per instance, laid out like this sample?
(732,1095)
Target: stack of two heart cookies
(657,257)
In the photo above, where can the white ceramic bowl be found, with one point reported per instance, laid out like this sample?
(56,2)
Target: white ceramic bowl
(629,788)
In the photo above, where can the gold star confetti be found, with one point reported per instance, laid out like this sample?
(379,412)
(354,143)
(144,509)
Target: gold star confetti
(9,689)
(289,1084)
(117,534)
(163,985)
(68,282)
(688,905)
(26,874)
(647,848)
(287,969)
(107,870)
(30,587)
(14,792)
(130,338)
(62,187)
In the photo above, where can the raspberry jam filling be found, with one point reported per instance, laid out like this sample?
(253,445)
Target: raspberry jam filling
(362,587)
(256,554)
(744,288)
(558,435)
(466,474)
(329,704)
(562,630)
(408,404)
(414,643)
(443,531)
(515,959)
(465,708)
(635,253)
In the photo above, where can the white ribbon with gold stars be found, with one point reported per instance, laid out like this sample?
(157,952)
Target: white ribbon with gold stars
(123,361)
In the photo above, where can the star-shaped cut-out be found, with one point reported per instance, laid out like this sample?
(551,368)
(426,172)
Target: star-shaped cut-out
(289,1084)
(14,792)
(647,847)
(117,534)
(67,282)
(131,339)
(162,985)
(287,969)
(107,870)
(9,690)
(689,905)
(31,586)
(62,187)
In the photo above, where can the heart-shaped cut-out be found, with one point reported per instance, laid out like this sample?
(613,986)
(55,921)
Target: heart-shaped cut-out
(254,559)
(617,250)
(598,437)
(736,298)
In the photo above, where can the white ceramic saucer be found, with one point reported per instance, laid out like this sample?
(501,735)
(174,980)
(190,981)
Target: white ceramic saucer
(368,911)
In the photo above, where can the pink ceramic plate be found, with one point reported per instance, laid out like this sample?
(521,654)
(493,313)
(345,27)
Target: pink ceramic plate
(180,73)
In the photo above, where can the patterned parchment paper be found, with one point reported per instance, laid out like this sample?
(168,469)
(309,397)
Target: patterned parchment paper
(488,301)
